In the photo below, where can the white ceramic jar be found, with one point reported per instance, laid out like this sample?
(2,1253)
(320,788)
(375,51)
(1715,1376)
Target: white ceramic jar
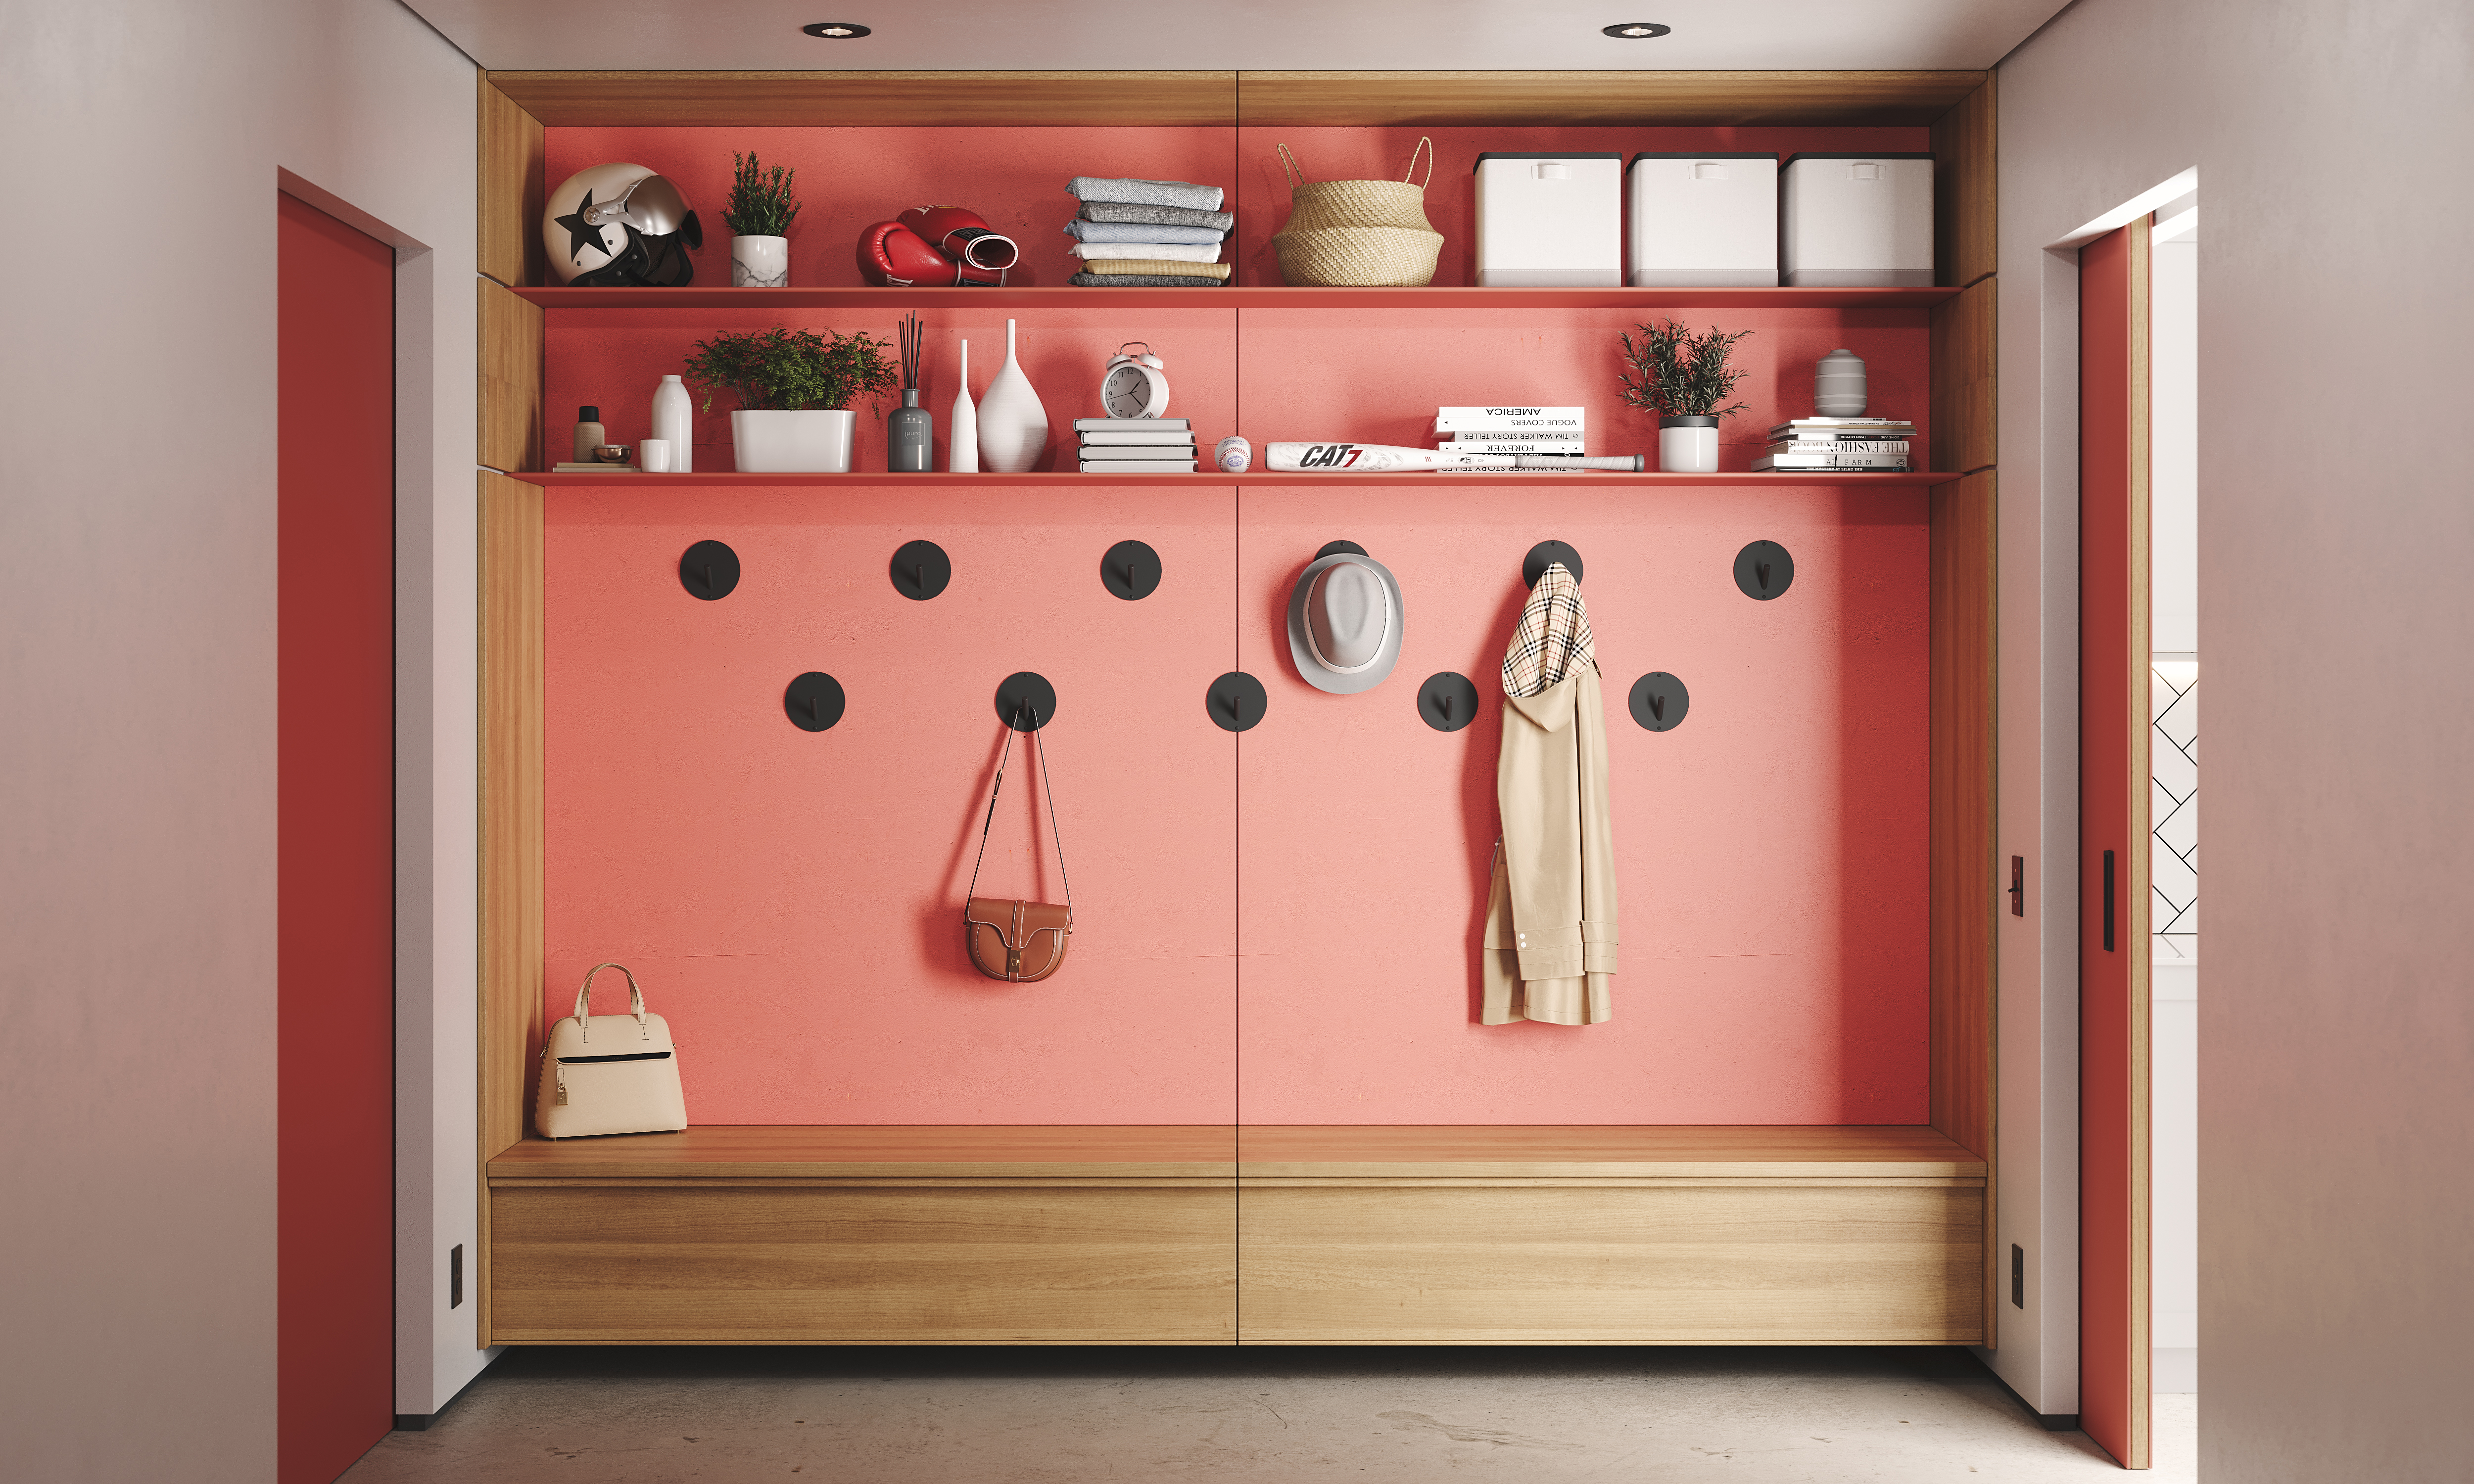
(1688,445)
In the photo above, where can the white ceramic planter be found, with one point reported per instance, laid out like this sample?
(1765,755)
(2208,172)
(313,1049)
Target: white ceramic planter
(792,442)
(760,262)
(1688,445)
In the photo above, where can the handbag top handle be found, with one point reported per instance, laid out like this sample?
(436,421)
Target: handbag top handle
(1047,787)
(635,1001)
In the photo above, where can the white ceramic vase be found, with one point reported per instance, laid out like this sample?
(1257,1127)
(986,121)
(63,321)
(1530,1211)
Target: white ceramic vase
(1013,425)
(674,422)
(760,262)
(1688,445)
(962,428)
(792,442)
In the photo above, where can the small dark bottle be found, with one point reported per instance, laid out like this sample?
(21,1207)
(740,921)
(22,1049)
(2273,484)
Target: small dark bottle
(909,433)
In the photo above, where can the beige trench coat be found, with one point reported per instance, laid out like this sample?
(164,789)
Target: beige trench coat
(1550,917)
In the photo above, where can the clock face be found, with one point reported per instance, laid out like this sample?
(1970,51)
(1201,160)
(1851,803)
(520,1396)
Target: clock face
(1126,392)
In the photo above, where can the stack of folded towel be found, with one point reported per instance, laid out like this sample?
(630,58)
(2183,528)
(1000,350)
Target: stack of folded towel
(1147,234)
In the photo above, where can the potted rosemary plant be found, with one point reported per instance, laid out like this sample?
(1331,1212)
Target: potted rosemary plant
(795,390)
(1683,377)
(758,215)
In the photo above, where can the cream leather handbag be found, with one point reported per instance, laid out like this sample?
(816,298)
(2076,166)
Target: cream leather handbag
(609,1074)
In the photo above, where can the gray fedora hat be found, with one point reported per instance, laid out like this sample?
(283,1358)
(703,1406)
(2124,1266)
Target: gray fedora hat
(1345,623)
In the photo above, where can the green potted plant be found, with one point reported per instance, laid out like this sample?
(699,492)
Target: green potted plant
(795,390)
(758,215)
(1683,377)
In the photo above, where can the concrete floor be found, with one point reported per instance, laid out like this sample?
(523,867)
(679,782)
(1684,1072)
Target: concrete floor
(1296,1416)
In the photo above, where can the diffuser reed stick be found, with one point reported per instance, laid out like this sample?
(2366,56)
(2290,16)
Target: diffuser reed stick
(909,433)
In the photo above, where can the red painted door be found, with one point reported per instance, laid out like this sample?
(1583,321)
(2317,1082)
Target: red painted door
(2113,843)
(335,843)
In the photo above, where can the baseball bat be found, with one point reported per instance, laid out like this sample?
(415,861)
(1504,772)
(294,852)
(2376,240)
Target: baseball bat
(1392,458)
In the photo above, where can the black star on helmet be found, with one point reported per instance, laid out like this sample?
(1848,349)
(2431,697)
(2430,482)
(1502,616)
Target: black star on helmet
(580,236)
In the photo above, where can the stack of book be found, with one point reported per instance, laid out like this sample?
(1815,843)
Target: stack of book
(1852,446)
(1539,431)
(1135,445)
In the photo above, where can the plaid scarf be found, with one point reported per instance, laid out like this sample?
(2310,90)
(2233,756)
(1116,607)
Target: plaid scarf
(1552,639)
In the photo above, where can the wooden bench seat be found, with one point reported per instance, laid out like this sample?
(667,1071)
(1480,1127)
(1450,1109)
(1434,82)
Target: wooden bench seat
(1150,1235)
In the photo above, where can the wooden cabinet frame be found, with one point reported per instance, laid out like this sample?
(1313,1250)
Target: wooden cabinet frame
(515,106)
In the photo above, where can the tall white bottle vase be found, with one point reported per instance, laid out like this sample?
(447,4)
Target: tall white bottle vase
(1013,425)
(962,429)
(674,421)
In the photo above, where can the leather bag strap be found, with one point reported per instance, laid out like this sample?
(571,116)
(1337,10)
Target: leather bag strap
(1047,787)
(583,999)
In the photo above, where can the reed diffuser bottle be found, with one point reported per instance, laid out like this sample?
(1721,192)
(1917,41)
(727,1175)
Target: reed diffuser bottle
(910,430)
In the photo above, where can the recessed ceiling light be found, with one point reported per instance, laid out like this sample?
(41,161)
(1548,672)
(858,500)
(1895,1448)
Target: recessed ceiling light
(836,29)
(1638,30)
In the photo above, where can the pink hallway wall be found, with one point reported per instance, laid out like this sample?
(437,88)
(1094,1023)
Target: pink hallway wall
(1771,850)
(793,899)
(792,896)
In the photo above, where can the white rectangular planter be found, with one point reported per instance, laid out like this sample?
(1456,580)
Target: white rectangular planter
(792,442)
(1703,220)
(1549,221)
(1857,221)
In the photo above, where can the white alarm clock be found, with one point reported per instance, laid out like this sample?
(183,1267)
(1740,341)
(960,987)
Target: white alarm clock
(1132,386)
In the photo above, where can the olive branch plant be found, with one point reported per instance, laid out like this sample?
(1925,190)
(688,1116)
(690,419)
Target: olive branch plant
(1677,374)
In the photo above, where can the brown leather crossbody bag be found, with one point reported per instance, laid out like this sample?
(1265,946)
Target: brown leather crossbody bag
(1018,941)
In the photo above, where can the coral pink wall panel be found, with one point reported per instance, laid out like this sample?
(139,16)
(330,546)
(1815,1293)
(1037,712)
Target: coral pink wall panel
(849,178)
(1370,377)
(614,359)
(1772,849)
(1345,153)
(792,900)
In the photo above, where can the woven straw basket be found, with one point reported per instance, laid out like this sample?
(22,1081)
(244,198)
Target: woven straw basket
(1358,233)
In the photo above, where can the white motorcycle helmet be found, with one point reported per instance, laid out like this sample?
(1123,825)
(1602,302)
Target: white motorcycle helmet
(619,224)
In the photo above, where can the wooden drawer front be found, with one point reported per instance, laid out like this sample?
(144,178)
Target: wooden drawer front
(1781,1264)
(1087,1265)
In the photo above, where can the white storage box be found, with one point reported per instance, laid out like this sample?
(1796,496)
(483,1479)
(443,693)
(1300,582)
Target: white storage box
(1550,221)
(1703,220)
(1857,221)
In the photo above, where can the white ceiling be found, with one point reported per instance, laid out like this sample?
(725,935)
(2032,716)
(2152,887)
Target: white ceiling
(1261,35)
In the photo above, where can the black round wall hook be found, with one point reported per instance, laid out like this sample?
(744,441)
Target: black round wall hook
(1236,702)
(1025,700)
(1764,570)
(709,570)
(1447,702)
(1658,700)
(1132,570)
(1546,554)
(920,571)
(1340,548)
(814,701)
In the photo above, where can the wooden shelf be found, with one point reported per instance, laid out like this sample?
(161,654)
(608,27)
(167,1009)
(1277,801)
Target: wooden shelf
(1424,300)
(879,1152)
(866,479)
(874,1152)
(1565,1152)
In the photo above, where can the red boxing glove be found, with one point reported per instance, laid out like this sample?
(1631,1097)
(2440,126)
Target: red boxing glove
(892,253)
(964,235)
